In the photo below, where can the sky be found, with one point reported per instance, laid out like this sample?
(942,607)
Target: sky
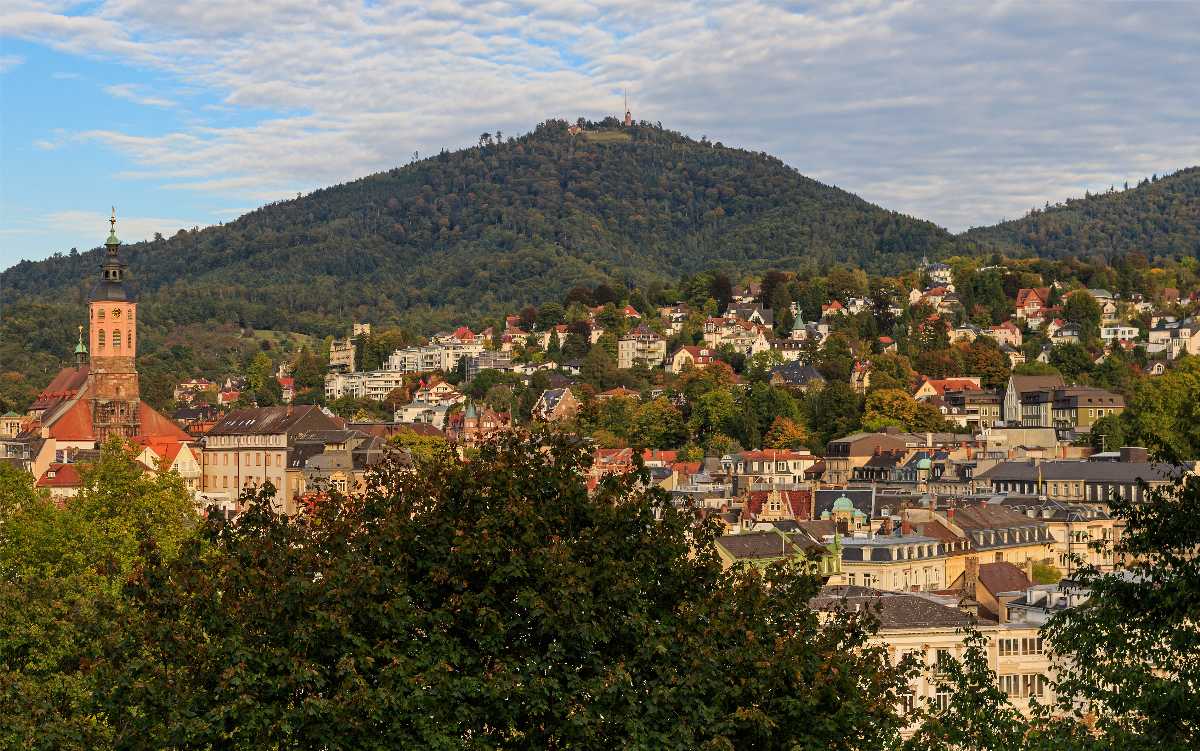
(186,114)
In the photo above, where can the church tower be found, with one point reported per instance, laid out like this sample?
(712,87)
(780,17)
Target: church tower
(628,115)
(112,326)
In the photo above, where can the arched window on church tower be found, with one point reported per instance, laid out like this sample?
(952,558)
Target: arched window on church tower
(116,339)
(129,338)
(100,339)
(100,314)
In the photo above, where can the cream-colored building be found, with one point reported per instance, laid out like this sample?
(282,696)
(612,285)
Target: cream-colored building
(642,345)
(249,447)
(930,628)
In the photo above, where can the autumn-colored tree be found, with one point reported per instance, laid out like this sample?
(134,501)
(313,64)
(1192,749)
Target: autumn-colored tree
(786,434)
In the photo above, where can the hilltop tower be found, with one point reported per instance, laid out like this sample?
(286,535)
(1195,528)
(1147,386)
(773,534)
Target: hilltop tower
(628,116)
(112,324)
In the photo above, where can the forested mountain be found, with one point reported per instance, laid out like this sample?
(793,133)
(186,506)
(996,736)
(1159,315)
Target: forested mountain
(509,222)
(1159,217)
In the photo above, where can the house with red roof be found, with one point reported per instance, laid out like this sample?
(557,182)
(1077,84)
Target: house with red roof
(937,387)
(61,480)
(692,357)
(1031,300)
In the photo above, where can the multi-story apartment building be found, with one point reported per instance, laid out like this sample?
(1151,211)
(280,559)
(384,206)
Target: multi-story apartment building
(932,630)
(1124,474)
(368,384)
(641,345)
(844,454)
(249,447)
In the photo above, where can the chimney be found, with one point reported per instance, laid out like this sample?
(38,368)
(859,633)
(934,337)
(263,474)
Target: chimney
(905,526)
(950,514)
(1029,569)
(971,576)
(887,525)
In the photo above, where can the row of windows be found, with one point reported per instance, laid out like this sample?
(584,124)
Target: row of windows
(116,338)
(932,579)
(258,458)
(1023,685)
(1025,646)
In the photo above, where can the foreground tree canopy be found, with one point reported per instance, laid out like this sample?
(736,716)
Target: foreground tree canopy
(498,604)
(489,605)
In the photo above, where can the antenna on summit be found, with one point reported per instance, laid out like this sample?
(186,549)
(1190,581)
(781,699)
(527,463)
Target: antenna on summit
(628,116)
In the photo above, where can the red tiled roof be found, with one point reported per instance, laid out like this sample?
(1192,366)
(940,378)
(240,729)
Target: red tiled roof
(64,385)
(799,502)
(158,427)
(659,455)
(60,476)
(775,455)
(75,424)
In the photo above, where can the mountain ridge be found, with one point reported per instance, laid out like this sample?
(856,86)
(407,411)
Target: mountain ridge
(547,207)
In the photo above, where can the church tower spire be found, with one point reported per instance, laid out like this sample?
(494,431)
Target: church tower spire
(628,115)
(112,323)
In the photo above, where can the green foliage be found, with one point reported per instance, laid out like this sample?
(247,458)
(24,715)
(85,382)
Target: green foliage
(1130,652)
(1034,367)
(1160,218)
(658,424)
(423,449)
(1164,413)
(831,412)
(896,408)
(1046,573)
(61,573)
(1081,308)
(496,605)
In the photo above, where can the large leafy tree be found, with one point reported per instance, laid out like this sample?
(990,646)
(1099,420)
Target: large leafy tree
(61,572)
(496,605)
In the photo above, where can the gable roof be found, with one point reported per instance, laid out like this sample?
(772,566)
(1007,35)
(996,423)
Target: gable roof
(1003,576)
(798,502)
(895,610)
(270,420)
(757,545)
(59,475)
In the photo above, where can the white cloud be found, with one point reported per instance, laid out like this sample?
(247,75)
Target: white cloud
(86,229)
(960,113)
(8,62)
(134,93)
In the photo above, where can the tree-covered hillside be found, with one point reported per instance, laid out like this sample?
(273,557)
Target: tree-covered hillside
(510,222)
(1159,217)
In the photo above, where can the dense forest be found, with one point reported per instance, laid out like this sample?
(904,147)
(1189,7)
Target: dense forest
(1160,217)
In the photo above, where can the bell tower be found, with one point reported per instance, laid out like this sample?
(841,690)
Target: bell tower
(112,335)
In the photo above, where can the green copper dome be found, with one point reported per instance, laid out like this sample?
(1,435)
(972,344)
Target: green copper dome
(924,463)
(843,504)
(81,348)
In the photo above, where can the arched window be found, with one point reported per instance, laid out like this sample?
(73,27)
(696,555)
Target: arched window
(116,338)
(100,314)
(100,339)
(129,338)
